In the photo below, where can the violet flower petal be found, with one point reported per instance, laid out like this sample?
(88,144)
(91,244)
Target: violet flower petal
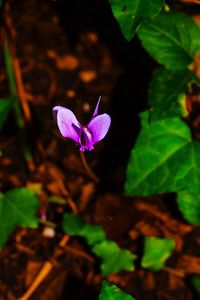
(99,127)
(86,140)
(96,108)
(66,119)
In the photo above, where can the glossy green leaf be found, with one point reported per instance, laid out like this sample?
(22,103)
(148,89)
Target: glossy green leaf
(113,258)
(130,14)
(189,205)
(167,93)
(113,292)
(5,106)
(156,252)
(74,225)
(164,159)
(17,209)
(172,39)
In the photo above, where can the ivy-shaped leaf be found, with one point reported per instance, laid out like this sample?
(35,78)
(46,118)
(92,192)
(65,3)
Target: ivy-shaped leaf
(113,292)
(172,39)
(167,93)
(74,225)
(130,14)
(113,259)
(5,106)
(189,205)
(17,209)
(156,252)
(164,159)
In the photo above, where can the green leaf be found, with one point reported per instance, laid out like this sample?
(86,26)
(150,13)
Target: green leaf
(130,14)
(112,292)
(74,225)
(156,252)
(17,209)
(167,93)
(189,205)
(5,106)
(113,259)
(93,233)
(165,159)
(172,39)
(144,118)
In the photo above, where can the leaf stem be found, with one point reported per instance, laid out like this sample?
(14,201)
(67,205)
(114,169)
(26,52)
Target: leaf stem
(57,200)
(47,223)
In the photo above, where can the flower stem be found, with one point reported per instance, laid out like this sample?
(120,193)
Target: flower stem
(89,171)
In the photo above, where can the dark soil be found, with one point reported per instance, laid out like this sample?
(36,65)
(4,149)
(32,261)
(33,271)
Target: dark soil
(70,53)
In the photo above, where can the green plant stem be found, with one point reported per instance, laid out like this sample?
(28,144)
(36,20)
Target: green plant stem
(17,110)
(47,223)
(57,200)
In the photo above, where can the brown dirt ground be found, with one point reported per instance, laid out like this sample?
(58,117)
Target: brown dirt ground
(59,68)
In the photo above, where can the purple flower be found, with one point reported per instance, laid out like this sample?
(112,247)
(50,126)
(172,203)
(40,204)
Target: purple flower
(84,136)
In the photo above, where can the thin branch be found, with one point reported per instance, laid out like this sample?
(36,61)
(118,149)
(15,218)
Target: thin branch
(177,273)
(79,252)
(43,273)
